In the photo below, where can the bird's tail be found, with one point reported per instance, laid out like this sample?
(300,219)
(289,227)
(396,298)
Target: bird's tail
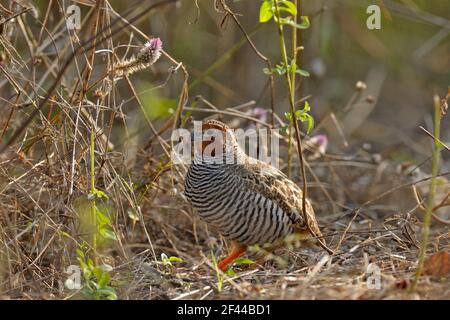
(314,229)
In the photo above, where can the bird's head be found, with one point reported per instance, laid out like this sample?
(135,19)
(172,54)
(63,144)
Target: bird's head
(217,140)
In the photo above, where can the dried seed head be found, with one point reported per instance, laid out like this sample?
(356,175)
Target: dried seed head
(147,56)
(444,104)
(360,86)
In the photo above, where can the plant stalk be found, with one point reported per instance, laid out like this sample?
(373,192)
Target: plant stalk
(92,174)
(289,77)
(294,59)
(433,184)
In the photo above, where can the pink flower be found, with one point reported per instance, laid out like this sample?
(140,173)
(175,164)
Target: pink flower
(257,113)
(260,114)
(151,51)
(318,145)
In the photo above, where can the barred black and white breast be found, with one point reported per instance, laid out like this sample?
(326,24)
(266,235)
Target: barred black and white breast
(225,200)
(249,202)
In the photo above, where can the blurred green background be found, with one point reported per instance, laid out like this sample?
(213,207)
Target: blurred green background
(403,65)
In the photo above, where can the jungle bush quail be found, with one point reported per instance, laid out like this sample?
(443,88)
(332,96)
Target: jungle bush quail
(248,201)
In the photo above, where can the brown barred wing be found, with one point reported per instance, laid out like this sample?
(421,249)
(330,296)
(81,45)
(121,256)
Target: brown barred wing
(275,185)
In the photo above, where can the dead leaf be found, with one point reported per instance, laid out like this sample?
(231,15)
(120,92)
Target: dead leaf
(438,264)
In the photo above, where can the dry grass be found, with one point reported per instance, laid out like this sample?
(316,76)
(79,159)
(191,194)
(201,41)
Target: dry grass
(57,87)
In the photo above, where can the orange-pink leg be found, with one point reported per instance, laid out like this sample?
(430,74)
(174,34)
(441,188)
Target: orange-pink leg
(237,250)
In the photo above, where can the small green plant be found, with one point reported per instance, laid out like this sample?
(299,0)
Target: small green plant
(95,219)
(282,69)
(285,14)
(99,219)
(103,219)
(272,9)
(168,262)
(229,272)
(219,275)
(302,115)
(96,278)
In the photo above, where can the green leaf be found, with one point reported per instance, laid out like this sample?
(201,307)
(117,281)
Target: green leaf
(83,265)
(107,234)
(302,72)
(300,115)
(107,292)
(230,272)
(100,194)
(265,11)
(305,24)
(267,71)
(64,234)
(293,67)
(243,261)
(102,219)
(80,253)
(175,259)
(103,280)
(288,7)
(303,116)
(280,69)
(288,116)
(90,264)
(286,20)
(87,274)
(98,272)
(310,120)
(306,107)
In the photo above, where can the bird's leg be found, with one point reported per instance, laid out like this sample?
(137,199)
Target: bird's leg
(237,250)
(267,253)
